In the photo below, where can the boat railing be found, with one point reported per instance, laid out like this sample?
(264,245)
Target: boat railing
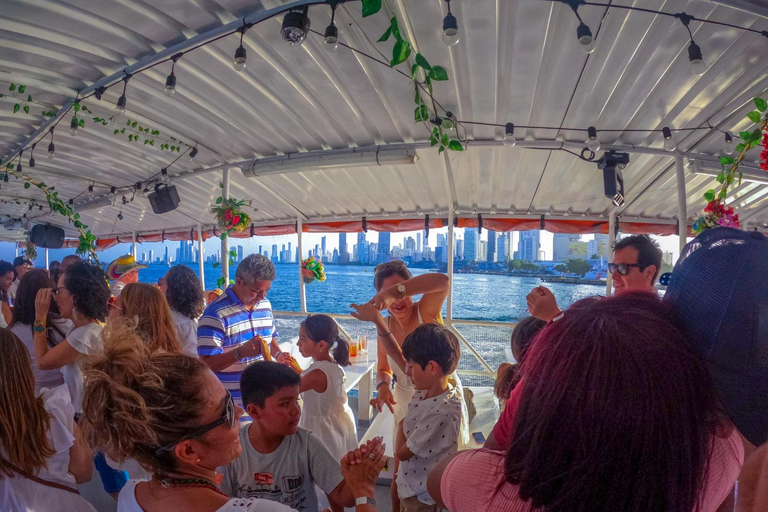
(483,343)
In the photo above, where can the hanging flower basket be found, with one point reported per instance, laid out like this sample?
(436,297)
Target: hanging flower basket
(230,215)
(311,270)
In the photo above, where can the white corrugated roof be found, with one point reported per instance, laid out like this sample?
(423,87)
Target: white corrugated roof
(517,61)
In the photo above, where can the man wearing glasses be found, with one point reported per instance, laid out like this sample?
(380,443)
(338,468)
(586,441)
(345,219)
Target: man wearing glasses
(635,267)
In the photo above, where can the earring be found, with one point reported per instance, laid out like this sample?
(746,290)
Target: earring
(198,459)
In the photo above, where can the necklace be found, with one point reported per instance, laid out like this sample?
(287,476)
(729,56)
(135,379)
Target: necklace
(190,482)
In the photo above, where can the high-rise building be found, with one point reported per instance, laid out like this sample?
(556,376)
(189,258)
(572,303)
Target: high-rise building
(561,246)
(528,247)
(418,242)
(152,255)
(459,249)
(502,248)
(491,251)
(322,248)
(343,257)
(166,254)
(383,247)
(470,244)
(239,253)
(274,254)
(143,256)
(598,247)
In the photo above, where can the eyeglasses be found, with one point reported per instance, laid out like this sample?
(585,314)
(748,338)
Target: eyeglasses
(623,268)
(228,417)
(389,264)
(112,304)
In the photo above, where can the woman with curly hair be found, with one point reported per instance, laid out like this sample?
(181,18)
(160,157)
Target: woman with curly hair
(185,297)
(42,455)
(144,307)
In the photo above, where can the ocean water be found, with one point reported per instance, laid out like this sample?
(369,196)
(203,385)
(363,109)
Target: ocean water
(484,297)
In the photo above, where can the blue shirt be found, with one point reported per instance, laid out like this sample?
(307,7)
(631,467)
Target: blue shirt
(227,324)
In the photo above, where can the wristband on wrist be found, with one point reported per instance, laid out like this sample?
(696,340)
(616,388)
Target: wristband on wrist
(365,500)
(382,383)
(39,326)
(237,353)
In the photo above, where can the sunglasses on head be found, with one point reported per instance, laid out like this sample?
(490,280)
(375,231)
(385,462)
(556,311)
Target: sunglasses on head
(388,264)
(227,417)
(623,268)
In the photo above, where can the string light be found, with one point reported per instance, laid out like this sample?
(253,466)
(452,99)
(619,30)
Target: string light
(164,178)
(121,101)
(295,26)
(450,27)
(698,66)
(193,153)
(170,82)
(585,38)
(592,143)
(240,54)
(51,147)
(331,40)
(73,126)
(669,143)
(18,166)
(112,196)
(90,191)
(509,135)
(729,147)
(71,202)
(32,155)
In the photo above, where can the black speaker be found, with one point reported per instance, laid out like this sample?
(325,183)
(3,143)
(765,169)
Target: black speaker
(164,199)
(47,236)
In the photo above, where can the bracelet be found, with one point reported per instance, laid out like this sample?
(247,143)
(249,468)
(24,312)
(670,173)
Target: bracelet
(382,383)
(384,335)
(237,354)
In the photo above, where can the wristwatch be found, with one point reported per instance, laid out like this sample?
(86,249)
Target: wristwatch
(365,501)
(401,289)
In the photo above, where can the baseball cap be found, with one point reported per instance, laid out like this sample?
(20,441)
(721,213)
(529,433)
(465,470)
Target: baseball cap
(21,260)
(719,291)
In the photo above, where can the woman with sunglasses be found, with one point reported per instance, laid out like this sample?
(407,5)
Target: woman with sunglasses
(170,413)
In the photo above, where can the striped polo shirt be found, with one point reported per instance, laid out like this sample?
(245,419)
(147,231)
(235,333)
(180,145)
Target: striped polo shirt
(227,324)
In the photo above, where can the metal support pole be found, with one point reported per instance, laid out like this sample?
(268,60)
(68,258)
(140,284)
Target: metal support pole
(200,256)
(682,204)
(225,240)
(302,290)
(133,234)
(47,263)
(611,243)
(449,269)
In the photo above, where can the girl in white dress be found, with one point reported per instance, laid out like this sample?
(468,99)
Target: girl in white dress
(42,457)
(326,411)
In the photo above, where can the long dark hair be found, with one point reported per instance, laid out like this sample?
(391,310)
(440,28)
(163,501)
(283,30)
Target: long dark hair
(617,412)
(184,292)
(88,286)
(323,328)
(24,306)
(522,336)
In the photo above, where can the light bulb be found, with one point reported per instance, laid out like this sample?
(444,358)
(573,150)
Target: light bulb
(51,150)
(584,34)
(73,126)
(170,85)
(697,60)
(509,135)
(112,198)
(165,179)
(120,107)
(295,26)
(331,41)
(31,161)
(592,143)
(90,191)
(450,30)
(240,56)
(669,144)
(729,147)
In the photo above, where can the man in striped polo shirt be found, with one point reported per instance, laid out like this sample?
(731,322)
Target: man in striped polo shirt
(231,330)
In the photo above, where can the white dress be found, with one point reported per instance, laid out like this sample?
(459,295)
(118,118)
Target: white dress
(19,494)
(186,332)
(327,415)
(126,502)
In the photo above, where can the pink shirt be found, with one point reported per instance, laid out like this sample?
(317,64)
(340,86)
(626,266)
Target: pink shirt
(482,471)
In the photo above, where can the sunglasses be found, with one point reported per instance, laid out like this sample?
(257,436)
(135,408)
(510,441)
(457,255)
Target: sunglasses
(388,264)
(623,268)
(227,417)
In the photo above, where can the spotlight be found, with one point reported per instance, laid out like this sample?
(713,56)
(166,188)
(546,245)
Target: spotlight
(73,126)
(164,178)
(450,27)
(592,143)
(192,153)
(509,135)
(295,26)
(331,41)
(729,147)
(698,66)
(584,34)
(611,163)
(240,54)
(669,143)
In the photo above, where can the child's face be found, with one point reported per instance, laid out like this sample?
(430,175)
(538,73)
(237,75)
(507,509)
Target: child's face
(307,347)
(423,378)
(281,412)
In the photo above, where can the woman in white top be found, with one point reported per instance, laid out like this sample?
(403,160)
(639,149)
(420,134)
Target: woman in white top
(171,414)
(146,310)
(42,457)
(81,296)
(23,320)
(185,297)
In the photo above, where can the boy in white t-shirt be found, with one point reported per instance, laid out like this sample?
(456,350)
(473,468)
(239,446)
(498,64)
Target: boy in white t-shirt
(430,429)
